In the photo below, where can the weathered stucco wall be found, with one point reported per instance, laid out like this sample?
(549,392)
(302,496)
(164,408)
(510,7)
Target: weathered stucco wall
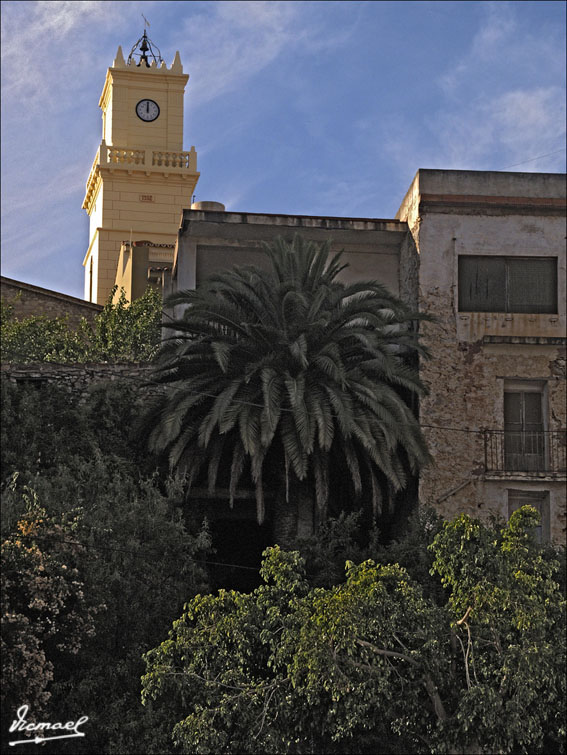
(474,354)
(210,241)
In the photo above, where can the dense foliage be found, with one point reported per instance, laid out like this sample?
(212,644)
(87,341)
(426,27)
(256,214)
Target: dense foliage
(294,380)
(118,532)
(449,640)
(374,664)
(122,332)
(45,613)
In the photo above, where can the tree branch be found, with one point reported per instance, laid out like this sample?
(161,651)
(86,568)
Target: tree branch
(392,653)
(465,617)
(427,680)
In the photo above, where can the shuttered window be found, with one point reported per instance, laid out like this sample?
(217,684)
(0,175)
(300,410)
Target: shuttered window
(524,437)
(508,284)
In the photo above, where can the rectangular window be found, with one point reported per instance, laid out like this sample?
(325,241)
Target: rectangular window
(508,284)
(524,431)
(540,501)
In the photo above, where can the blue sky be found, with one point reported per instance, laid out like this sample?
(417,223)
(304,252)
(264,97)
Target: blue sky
(323,108)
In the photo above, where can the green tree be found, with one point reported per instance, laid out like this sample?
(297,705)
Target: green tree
(46,615)
(137,553)
(292,379)
(44,426)
(126,331)
(122,332)
(39,339)
(374,664)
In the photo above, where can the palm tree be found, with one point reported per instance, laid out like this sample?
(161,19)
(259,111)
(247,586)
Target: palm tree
(292,378)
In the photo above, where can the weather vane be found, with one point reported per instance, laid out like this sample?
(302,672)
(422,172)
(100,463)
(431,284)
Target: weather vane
(146,22)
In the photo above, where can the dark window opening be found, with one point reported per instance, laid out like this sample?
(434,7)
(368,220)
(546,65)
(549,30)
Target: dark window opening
(508,284)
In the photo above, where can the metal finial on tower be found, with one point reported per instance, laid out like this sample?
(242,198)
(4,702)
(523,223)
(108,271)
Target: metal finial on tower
(145,50)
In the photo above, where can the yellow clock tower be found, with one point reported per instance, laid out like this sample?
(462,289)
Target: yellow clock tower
(141,178)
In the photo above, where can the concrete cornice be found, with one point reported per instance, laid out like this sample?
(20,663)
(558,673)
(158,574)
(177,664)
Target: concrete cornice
(296,221)
(467,203)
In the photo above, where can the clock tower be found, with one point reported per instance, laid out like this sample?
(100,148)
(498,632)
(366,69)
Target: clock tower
(141,178)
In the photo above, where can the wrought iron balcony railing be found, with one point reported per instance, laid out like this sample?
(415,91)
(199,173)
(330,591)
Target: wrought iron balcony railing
(525,451)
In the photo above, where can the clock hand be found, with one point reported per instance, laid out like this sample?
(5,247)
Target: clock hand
(147,107)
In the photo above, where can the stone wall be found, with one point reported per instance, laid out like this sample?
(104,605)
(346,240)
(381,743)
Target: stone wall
(28,301)
(78,378)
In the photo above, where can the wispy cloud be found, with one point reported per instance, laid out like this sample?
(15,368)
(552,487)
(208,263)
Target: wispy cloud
(502,104)
(39,41)
(234,40)
(487,45)
(503,49)
(45,44)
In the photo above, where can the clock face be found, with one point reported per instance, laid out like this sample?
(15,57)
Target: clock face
(147,110)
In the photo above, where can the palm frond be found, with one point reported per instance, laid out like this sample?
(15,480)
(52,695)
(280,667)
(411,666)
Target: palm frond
(292,368)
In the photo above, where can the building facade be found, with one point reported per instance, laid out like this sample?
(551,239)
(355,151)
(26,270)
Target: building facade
(491,269)
(484,253)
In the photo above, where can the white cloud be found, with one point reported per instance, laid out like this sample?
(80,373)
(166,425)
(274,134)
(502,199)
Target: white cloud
(525,120)
(498,27)
(502,104)
(497,31)
(45,44)
(233,41)
(32,37)
(503,49)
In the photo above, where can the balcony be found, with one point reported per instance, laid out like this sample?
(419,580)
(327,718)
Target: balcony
(182,164)
(538,454)
(148,159)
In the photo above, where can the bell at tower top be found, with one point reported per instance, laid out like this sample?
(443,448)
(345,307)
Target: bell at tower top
(145,55)
(143,52)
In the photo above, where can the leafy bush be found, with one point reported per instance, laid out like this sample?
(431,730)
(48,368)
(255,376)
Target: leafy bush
(122,332)
(138,556)
(46,616)
(374,664)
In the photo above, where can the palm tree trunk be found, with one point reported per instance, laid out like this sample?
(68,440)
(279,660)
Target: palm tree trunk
(293,518)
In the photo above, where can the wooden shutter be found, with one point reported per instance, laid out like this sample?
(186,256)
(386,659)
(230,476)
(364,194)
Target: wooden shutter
(532,285)
(524,439)
(482,284)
